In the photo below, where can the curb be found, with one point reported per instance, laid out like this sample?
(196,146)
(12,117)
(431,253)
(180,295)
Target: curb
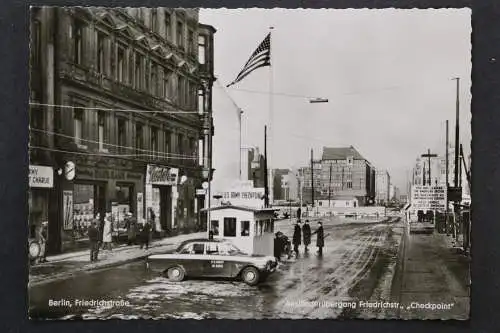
(61,276)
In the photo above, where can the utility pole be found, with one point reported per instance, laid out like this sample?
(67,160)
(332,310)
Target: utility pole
(266,180)
(456,203)
(429,155)
(312,179)
(330,186)
(447,178)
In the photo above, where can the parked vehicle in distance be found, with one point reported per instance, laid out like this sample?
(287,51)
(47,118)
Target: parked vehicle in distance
(212,258)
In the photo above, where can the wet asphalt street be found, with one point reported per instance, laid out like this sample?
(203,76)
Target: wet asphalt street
(356,254)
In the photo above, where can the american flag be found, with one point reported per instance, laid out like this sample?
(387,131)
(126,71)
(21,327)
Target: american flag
(261,57)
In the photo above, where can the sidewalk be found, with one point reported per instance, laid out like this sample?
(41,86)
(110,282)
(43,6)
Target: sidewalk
(66,265)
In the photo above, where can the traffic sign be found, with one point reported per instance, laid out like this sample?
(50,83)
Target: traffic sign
(428,198)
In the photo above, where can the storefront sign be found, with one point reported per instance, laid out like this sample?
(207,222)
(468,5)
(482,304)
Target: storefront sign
(428,198)
(140,205)
(156,175)
(99,173)
(41,176)
(250,197)
(68,210)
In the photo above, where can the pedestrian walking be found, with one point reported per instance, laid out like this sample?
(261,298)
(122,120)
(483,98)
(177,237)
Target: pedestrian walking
(299,214)
(107,232)
(145,234)
(42,241)
(93,234)
(296,239)
(320,238)
(306,232)
(131,225)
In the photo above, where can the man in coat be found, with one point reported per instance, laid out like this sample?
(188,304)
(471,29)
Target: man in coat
(306,231)
(297,236)
(145,234)
(299,213)
(320,238)
(131,225)
(93,234)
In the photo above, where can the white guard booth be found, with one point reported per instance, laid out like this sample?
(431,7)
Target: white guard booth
(249,229)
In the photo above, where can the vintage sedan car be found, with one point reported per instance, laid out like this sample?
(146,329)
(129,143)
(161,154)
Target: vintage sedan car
(212,258)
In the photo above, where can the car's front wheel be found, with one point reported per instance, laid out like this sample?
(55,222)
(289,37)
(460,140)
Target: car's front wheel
(175,274)
(250,276)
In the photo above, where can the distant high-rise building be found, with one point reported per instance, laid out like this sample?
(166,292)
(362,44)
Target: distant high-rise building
(382,184)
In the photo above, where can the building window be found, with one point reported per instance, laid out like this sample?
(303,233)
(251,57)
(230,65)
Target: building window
(154,141)
(202,48)
(166,83)
(101,120)
(214,227)
(245,228)
(181,91)
(166,147)
(154,19)
(180,34)
(201,101)
(138,139)
(78,125)
(180,144)
(168,28)
(192,149)
(101,44)
(191,42)
(349,184)
(154,79)
(122,134)
(77,37)
(229,227)
(200,152)
(138,71)
(121,64)
(37,46)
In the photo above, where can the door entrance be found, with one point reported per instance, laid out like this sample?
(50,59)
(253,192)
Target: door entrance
(166,207)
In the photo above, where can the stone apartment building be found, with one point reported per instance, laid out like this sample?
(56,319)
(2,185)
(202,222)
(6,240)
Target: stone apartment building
(120,116)
(346,173)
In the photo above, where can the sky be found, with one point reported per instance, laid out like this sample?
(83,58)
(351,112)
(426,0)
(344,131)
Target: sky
(387,74)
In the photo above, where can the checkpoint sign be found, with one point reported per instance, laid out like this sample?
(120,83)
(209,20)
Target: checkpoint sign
(428,197)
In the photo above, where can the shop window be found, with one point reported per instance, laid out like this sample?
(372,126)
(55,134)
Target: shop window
(245,228)
(229,227)
(83,208)
(214,227)
(259,227)
(268,226)
(38,209)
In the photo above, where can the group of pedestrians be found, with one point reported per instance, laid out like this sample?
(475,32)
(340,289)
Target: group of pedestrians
(304,234)
(101,234)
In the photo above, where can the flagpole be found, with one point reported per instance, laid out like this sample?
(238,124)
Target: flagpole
(271,116)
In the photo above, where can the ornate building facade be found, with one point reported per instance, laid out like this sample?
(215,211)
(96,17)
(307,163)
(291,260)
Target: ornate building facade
(120,117)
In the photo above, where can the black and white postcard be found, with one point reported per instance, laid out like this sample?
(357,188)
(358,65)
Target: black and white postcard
(193,163)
